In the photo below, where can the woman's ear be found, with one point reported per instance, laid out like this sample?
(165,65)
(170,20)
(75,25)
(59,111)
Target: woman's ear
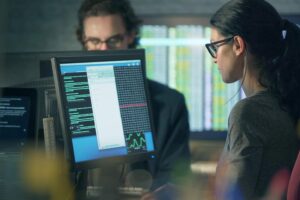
(239,45)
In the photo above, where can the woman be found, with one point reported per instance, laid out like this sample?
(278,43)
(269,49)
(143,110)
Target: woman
(251,43)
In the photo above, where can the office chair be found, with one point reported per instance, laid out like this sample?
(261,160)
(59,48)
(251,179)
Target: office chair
(293,192)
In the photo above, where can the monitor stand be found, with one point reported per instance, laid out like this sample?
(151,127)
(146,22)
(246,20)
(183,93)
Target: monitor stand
(110,182)
(103,182)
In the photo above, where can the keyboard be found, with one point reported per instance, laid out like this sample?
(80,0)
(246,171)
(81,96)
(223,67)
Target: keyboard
(132,191)
(94,191)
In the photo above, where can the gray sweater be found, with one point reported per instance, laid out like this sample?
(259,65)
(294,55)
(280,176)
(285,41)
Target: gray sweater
(261,141)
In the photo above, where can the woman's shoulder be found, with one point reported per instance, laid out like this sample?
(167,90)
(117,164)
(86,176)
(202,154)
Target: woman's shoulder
(248,120)
(262,103)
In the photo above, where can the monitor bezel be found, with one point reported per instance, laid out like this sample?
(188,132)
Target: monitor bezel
(31,93)
(109,55)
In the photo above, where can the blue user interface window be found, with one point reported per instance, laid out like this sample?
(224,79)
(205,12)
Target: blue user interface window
(107,109)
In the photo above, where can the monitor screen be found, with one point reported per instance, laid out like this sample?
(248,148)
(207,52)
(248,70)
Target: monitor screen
(104,107)
(17,116)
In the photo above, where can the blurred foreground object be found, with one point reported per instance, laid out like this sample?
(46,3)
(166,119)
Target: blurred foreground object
(47,175)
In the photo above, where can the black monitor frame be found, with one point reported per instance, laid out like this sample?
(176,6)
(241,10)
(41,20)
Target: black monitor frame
(109,55)
(31,94)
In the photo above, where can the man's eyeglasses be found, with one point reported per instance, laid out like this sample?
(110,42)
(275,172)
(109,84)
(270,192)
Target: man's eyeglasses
(213,46)
(112,42)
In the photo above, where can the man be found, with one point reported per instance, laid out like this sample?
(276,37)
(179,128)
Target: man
(112,24)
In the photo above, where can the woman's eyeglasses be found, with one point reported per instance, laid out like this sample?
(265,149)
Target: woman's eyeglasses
(213,46)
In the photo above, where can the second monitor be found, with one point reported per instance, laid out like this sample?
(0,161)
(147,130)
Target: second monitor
(104,107)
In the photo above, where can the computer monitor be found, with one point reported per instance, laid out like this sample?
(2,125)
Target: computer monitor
(17,127)
(17,117)
(104,107)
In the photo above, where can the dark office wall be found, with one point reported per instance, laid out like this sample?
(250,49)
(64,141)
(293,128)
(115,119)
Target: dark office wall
(2,32)
(2,24)
(43,25)
(40,25)
(206,7)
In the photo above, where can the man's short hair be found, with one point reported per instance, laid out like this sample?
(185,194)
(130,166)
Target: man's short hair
(93,8)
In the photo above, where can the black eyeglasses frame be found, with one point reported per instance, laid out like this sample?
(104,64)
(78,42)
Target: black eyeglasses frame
(112,42)
(213,46)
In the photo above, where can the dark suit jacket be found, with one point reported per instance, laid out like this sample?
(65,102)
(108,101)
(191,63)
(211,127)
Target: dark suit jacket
(171,129)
